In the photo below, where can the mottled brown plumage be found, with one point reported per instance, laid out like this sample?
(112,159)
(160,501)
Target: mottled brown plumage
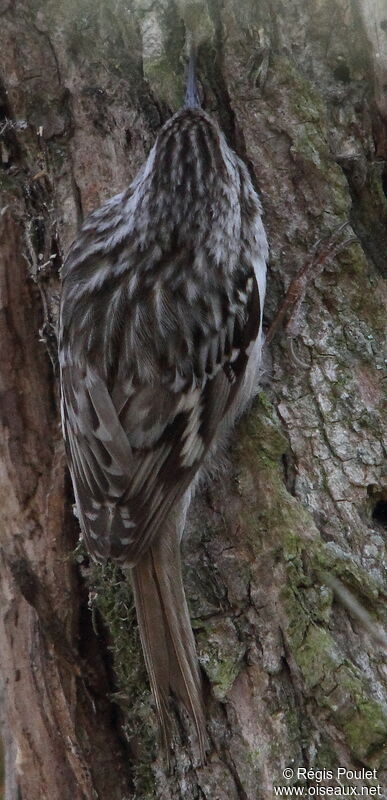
(161,317)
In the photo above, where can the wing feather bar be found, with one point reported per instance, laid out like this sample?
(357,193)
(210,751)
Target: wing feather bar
(108,429)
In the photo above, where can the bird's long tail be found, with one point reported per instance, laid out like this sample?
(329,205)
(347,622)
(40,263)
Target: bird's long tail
(166,634)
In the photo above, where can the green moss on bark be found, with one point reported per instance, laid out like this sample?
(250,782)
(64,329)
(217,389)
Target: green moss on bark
(329,678)
(220,654)
(111,596)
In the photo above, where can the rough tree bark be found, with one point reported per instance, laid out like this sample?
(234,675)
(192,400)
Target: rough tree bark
(298,516)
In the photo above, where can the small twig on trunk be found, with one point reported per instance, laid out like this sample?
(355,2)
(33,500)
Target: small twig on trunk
(295,294)
(355,608)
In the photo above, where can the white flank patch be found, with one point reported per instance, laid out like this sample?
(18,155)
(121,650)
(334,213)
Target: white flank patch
(250,348)
(91,517)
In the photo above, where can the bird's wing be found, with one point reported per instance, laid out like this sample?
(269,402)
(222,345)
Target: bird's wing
(134,448)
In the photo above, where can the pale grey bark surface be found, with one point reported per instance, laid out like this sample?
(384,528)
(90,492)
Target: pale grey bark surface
(297,518)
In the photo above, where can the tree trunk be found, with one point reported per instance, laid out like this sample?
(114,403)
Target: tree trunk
(284,552)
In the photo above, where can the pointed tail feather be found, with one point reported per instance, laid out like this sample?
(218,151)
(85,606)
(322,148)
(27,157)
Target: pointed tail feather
(166,634)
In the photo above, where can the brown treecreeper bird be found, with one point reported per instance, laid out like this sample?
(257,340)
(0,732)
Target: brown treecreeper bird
(160,342)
